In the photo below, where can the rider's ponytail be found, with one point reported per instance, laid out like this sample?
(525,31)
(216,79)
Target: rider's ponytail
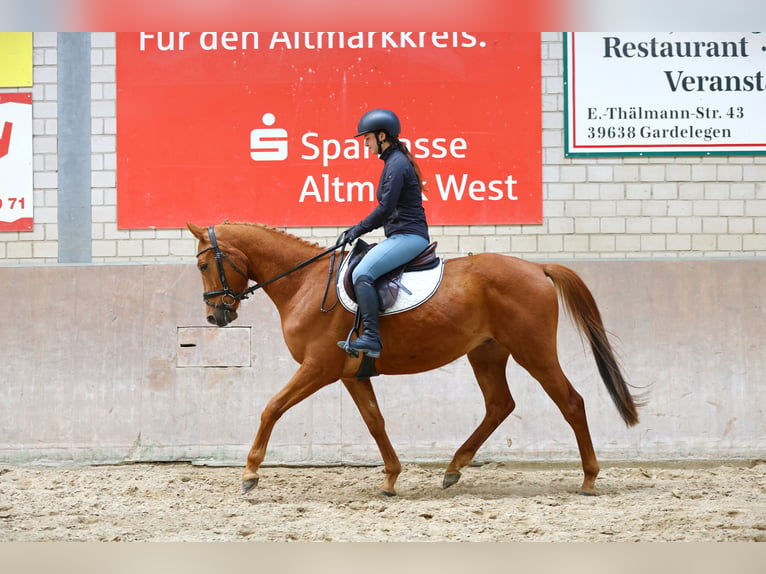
(395,142)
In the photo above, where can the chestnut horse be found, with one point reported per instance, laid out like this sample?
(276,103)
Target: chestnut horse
(489,307)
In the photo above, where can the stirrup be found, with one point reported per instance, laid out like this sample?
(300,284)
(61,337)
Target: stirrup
(346,346)
(352,352)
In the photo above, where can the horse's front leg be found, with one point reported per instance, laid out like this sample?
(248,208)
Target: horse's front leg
(364,399)
(304,383)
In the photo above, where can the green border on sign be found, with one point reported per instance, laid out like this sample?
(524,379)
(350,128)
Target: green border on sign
(569,153)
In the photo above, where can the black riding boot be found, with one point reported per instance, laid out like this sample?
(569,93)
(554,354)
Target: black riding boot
(369,309)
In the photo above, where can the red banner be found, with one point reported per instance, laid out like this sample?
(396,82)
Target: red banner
(258,126)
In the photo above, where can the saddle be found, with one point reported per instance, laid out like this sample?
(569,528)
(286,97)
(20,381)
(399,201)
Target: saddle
(388,285)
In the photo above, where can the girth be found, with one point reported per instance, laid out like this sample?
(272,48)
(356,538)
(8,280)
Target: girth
(387,285)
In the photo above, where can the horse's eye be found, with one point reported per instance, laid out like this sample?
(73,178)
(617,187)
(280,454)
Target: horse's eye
(203,267)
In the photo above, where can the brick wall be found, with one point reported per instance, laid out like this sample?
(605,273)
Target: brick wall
(610,208)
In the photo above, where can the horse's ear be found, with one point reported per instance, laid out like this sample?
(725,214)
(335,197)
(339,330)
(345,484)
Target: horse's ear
(197,231)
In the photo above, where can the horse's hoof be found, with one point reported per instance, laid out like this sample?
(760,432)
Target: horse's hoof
(386,493)
(588,492)
(248,485)
(450,478)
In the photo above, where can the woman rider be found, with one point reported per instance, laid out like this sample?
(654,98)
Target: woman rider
(399,211)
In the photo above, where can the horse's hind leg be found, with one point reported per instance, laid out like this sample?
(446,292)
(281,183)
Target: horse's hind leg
(532,342)
(488,361)
(570,403)
(362,393)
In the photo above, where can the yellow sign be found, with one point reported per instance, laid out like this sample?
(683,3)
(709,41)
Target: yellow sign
(15,59)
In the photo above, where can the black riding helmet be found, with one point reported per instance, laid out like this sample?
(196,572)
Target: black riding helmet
(379,120)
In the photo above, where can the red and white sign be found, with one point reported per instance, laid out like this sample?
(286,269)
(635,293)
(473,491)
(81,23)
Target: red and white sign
(16,162)
(259,126)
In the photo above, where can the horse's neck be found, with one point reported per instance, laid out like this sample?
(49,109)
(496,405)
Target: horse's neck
(271,252)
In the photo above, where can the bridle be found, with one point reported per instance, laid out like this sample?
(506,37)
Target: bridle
(230,297)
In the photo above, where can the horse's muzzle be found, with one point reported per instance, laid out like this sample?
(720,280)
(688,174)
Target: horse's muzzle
(221,317)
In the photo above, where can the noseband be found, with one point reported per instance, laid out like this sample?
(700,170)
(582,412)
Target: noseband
(228,297)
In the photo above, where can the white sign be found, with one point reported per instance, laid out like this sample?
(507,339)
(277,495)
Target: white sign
(16,162)
(665,93)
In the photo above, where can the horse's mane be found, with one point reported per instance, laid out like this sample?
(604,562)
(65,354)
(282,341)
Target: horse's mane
(275,230)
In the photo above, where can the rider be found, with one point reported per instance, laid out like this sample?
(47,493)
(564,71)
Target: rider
(399,211)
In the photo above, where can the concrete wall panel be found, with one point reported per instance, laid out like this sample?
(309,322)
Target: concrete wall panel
(92,374)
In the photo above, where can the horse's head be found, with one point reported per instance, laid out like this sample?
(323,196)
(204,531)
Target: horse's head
(224,276)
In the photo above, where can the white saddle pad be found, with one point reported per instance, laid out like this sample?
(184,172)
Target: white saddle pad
(420,284)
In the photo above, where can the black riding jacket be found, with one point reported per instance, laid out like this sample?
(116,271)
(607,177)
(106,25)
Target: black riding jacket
(400,204)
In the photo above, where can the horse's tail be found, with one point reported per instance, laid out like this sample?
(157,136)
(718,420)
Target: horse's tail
(582,308)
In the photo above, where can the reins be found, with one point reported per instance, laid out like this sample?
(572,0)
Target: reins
(233,296)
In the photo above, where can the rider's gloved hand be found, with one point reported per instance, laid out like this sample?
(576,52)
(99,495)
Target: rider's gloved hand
(351,234)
